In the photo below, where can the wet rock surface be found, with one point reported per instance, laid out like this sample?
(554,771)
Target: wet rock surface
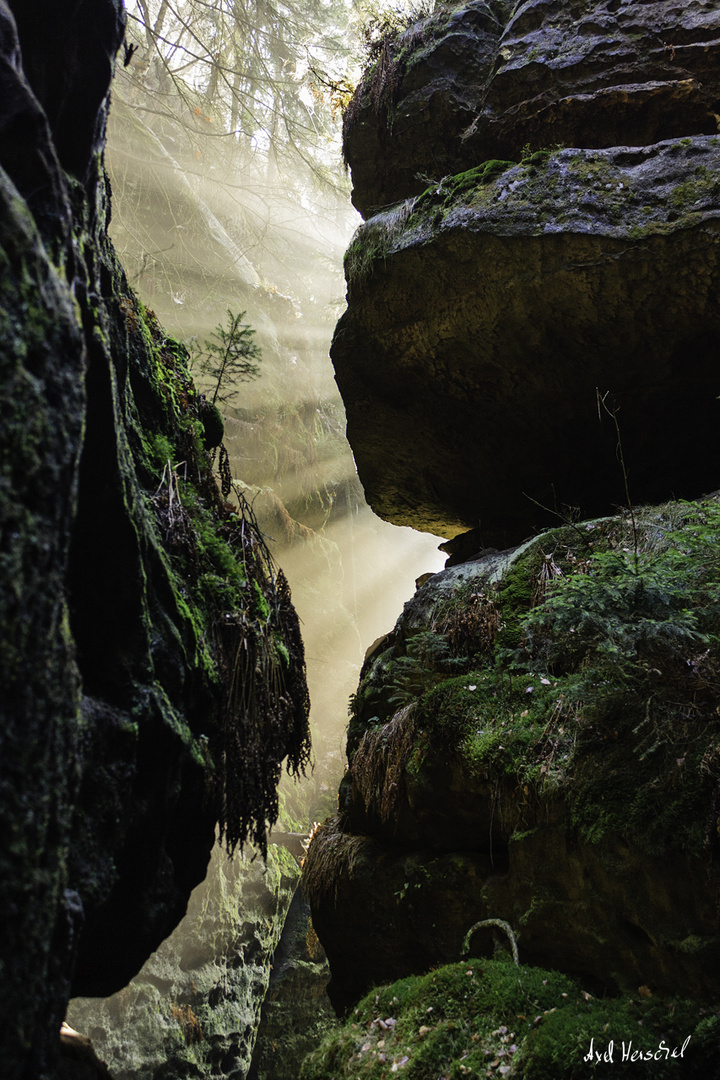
(517,279)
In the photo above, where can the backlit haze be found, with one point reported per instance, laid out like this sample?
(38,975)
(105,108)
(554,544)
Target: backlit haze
(229,193)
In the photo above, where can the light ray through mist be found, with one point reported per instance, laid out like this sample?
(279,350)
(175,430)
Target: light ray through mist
(229,194)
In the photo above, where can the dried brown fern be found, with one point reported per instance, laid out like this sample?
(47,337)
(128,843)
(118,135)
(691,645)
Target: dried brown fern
(378,765)
(332,857)
(267,704)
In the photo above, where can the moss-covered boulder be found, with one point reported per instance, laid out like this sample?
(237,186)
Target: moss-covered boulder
(482,80)
(537,742)
(489,1018)
(564,247)
(152,663)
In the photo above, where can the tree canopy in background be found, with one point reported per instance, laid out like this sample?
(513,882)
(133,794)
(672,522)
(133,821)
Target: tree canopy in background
(241,69)
(241,98)
(229,194)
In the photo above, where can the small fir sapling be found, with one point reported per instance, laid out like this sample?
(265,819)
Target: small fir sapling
(229,356)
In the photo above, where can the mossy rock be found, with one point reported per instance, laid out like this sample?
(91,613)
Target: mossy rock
(488,1018)
(212,422)
(550,713)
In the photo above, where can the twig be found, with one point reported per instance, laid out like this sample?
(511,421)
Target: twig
(502,925)
(601,403)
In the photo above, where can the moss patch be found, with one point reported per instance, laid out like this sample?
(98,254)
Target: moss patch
(558,190)
(590,671)
(490,1018)
(241,625)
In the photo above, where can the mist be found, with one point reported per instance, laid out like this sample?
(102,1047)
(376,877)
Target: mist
(229,195)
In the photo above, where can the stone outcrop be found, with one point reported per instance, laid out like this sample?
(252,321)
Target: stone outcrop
(541,185)
(482,80)
(129,592)
(194,1007)
(296,1013)
(535,742)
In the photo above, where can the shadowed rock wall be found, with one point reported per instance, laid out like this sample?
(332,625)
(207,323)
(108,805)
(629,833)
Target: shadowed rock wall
(127,589)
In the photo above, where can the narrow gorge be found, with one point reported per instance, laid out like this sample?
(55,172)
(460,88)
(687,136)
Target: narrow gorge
(516,873)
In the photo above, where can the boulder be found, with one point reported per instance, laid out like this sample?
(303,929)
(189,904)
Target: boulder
(543,293)
(535,742)
(483,80)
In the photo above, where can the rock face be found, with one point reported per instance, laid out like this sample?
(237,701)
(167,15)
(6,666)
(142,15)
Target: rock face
(542,187)
(481,80)
(127,591)
(193,1009)
(296,1013)
(536,742)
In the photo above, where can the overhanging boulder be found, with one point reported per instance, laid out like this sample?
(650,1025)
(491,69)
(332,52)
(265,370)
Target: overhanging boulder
(558,169)
(486,314)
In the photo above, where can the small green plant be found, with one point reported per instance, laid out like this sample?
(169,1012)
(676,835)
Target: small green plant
(230,356)
(428,661)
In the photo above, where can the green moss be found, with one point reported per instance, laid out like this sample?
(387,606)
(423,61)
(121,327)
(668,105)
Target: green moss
(536,158)
(488,1018)
(684,193)
(282,649)
(480,175)
(443,196)
(161,452)
(704,184)
(589,672)
(263,608)
(499,725)
(516,593)
(222,600)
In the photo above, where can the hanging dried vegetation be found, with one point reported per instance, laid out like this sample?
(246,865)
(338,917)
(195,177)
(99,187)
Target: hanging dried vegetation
(239,620)
(378,765)
(267,707)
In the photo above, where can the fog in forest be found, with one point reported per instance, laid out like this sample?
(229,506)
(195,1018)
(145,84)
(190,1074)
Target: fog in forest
(229,199)
(229,195)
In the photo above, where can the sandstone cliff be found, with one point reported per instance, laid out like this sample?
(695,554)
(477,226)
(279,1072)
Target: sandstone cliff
(153,669)
(541,187)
